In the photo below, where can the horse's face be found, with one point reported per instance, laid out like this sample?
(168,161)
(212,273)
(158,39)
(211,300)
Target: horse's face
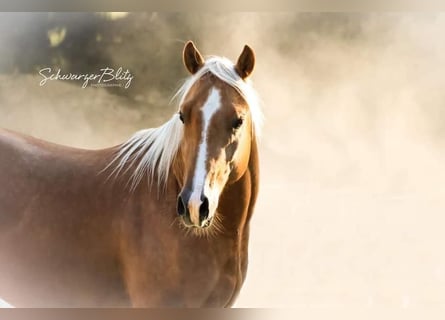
(217,136)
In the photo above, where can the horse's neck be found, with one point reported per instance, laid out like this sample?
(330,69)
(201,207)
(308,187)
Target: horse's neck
(246,189)
(254,170)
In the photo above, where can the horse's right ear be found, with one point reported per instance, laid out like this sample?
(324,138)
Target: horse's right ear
(193,60)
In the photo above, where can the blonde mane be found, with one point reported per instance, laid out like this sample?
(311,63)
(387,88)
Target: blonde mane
(153,150)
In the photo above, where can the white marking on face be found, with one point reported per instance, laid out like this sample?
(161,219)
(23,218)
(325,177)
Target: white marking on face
(210,107)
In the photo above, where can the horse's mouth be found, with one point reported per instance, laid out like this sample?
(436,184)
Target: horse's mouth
(204,224)
(207,226)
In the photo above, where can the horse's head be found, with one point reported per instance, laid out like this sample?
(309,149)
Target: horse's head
(218,128)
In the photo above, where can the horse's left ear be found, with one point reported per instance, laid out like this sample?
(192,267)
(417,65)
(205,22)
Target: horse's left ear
(246,62)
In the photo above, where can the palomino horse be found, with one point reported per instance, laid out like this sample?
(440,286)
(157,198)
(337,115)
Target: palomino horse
(161,220)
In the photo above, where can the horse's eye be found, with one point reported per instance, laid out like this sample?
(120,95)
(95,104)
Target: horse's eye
(237,123)
(181,117)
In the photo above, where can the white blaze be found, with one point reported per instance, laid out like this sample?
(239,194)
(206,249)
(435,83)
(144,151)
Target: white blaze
(210,107)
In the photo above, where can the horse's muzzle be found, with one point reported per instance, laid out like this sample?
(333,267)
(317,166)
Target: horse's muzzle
(195,212)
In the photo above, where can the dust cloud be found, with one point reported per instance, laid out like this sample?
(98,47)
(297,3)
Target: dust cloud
(350,211)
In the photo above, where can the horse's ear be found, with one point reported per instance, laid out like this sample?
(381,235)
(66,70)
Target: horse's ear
(246,62)
(193,60)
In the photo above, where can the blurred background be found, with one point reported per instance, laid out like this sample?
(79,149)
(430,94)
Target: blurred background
(352,198)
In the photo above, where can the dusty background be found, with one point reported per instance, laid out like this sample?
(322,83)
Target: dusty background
(351,207)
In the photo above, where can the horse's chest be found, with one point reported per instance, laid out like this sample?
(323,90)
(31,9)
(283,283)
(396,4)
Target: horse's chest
(181,275)
(205,277)
(213,282)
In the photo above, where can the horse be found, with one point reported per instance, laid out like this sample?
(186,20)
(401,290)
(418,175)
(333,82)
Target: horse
(161,220)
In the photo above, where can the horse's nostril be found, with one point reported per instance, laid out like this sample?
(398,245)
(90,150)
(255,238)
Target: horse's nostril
(180,206)
(204,209)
